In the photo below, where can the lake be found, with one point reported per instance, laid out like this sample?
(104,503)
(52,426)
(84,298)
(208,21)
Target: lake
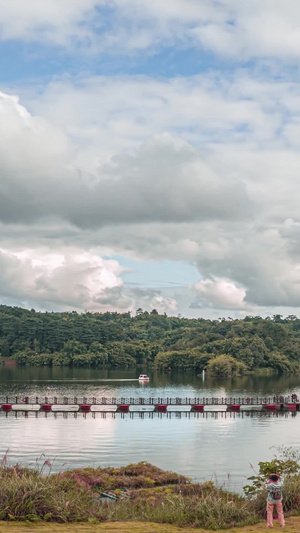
(202,446)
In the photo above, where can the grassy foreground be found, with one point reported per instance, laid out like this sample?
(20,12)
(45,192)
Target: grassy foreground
(145,499)
(292,526)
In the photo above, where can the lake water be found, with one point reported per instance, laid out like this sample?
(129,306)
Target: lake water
(202,446)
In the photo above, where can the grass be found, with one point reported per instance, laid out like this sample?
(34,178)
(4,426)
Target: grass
(135,476)
(26,495)
(292,526)
(152,496)
(197,505)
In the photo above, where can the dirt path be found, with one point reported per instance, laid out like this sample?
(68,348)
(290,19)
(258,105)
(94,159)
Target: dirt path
(292,526)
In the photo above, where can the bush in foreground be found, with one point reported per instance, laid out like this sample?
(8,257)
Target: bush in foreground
(152,495)
(25,495)
(192,511)
(135,476)
(194,505)
(286,465)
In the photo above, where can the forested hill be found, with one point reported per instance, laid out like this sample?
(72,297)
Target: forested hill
(223,347)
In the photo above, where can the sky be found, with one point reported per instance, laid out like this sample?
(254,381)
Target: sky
(149,156)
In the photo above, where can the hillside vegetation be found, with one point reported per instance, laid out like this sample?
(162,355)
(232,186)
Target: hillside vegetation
(223,347)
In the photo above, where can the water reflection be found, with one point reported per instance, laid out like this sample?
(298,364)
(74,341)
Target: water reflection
(199,445)
(149,414)
(88,382)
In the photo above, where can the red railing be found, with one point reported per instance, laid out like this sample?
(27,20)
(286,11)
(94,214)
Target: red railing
(278,400)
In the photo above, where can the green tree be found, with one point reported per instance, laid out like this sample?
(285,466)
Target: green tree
(225,366)
(281,364)
(73,347)
(4,348)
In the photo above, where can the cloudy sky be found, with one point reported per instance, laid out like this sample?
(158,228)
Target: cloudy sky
(150,156)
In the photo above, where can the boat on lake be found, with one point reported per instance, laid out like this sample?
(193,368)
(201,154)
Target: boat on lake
(143,377)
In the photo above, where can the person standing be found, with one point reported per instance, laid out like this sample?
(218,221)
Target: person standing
(274,499)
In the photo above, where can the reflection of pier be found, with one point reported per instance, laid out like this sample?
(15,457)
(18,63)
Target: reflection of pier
(149,414)
(149,405)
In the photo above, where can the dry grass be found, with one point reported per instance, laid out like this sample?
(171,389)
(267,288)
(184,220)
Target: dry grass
(27,497)
(73,496)
(292,526)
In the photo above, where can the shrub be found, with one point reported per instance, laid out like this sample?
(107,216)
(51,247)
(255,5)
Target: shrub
(133,476)
(225,366)
(27,496)
(209,512)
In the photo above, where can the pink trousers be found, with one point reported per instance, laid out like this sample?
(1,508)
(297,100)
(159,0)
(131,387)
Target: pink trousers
(270,508)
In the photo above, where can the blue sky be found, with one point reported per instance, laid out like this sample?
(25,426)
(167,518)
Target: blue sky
(149,156)
(164,275)
(24,61)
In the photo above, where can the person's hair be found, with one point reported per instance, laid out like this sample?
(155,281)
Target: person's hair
(274,477)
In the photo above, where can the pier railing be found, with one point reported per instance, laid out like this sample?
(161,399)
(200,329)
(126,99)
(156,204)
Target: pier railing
(79,400)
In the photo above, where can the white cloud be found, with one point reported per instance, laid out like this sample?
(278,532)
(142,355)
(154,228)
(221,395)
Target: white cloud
(203,169)
(70,279)
(220,294)
(45,181)
(247,29)
(110,164)
(34,159)
(52,21)
(106,115)
(229,27)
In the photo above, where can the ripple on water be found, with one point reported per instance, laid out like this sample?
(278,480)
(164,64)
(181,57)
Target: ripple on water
(202,446)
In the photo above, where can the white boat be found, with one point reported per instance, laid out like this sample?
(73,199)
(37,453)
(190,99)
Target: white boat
(143,377)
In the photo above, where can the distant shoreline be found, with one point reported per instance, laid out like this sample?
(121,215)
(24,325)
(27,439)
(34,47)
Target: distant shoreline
(223,347)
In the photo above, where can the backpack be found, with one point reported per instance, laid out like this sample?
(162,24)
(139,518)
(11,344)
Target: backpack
(276,493)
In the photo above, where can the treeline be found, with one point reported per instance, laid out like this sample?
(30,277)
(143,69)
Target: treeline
(223,347)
